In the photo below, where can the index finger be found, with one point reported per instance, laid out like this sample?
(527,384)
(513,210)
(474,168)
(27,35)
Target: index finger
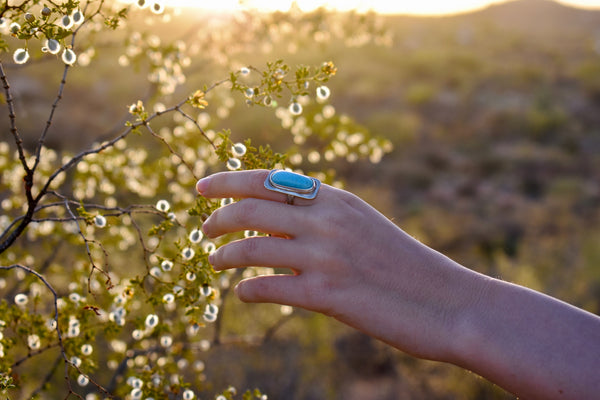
(244,184)
(238,184)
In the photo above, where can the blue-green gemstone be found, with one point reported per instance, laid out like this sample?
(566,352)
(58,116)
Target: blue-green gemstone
(292,180)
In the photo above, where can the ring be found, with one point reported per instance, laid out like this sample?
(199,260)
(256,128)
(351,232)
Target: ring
(292,184)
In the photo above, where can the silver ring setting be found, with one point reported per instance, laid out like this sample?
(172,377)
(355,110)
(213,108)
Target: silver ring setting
(292,184)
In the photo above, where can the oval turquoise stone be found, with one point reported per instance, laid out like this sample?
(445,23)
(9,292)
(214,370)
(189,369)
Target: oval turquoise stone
(292,180)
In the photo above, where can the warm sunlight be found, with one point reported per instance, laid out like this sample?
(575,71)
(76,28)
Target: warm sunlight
(422,7)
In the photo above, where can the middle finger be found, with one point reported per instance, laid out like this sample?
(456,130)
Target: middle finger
(265,216)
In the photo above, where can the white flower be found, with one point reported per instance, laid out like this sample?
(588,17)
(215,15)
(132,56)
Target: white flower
(136,393)
(66,21)
(249,93)
(211,309)
(196,236)
(20,56)
(166,265)
(77,17)
(163,205)
(188,253)
(76,361)
(157,7)
(82,380)
(205,290)
(151,320)
(134,382)
(166,341)
(295,108)
(188,395)
(73,331)
(100,221)
(244,70)
(209,247)
(69,57)
(33,342)
(21,299)
(178,290)
(238,149)
(323,93)
(87,349)
(51,324)
(190,276)
(14,27)
(169,298)
(234,164)
(209,317)
(53,46)
(226,201)
(137,334)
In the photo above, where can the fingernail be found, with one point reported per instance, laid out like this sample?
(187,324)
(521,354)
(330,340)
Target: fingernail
(202,184)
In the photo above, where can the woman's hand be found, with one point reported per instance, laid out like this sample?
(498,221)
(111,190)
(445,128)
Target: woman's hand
(352,263)
(348,261)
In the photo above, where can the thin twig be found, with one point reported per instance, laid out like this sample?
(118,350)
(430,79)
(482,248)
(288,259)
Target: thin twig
(13,120)
(89,251)
(58,98)
(171,150)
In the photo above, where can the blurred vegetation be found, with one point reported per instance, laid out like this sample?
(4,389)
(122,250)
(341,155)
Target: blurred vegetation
(496,131)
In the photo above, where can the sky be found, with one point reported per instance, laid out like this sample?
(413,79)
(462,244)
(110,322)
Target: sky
(420,7)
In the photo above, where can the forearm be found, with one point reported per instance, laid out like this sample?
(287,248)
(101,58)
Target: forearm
(530,344)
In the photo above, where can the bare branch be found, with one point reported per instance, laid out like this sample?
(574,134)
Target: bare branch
(13,120)
(58,98)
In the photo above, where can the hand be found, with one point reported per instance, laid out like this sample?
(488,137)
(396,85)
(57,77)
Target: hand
(352,263)
(348,261)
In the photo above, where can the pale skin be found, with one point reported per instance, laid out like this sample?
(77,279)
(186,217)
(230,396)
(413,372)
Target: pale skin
(352,263)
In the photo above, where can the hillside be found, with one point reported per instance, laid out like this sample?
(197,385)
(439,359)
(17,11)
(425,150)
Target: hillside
(539,16)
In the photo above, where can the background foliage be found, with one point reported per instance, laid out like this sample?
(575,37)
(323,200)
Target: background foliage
(493,122)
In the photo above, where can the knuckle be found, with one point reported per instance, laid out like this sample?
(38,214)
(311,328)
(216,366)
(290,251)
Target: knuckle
(247,248)
(244,212)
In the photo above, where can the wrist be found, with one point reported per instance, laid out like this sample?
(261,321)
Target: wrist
(465,336)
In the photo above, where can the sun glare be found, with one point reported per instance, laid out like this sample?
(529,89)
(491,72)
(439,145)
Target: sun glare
(422,7)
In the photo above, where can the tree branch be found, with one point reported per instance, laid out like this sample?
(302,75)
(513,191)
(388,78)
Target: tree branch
(13,120)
